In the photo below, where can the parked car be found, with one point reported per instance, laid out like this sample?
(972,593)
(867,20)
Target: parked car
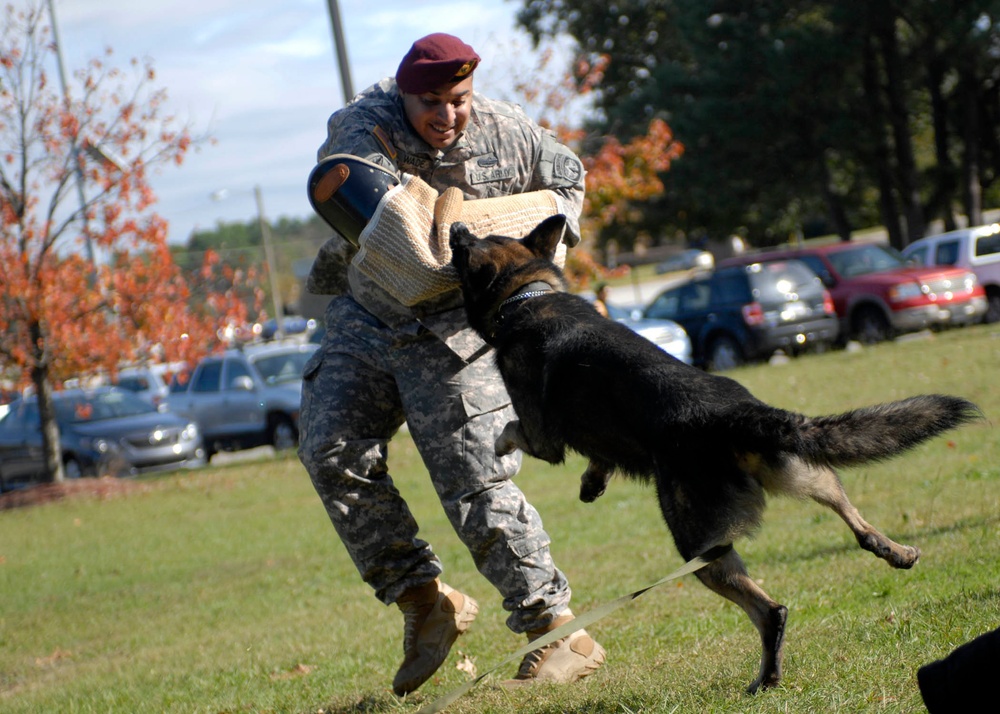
(689,259)
(290,325)
(747,312)
(245,397)
(147,383)
(976,249)
(104,431)
(665,334)
(5,399)
(878,296)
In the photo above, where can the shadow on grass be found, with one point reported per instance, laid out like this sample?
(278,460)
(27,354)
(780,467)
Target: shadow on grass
(371,704)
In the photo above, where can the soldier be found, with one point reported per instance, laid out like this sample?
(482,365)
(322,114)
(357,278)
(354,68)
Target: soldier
(392,354)
(601,298)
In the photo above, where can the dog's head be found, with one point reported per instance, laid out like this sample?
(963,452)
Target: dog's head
(493,268)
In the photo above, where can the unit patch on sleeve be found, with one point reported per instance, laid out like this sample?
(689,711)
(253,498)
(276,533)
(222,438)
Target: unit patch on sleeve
(567,168)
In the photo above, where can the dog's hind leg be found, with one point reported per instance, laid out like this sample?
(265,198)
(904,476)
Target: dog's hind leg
(821,483)
(728,577)
(830,493)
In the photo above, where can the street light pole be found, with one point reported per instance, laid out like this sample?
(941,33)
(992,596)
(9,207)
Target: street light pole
(272,268)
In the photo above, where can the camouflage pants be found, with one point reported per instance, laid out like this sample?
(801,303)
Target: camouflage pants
(359,388)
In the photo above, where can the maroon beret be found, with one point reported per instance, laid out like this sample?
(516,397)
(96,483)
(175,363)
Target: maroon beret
(433,61)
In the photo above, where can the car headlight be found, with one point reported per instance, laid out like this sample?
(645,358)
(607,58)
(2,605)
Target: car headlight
(97,445)
(969,281)
(190,433)
(905,291)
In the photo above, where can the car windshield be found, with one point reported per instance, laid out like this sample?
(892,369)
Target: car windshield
(134,383)
(282,367)
(776,280)
(80,408)
(865,259)
(988,244)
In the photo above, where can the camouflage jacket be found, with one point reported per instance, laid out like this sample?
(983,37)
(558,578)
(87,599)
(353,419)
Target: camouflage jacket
(501,152)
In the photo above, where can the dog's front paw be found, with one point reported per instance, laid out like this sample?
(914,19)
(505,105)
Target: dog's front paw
(594,481)
(590,491)
(509,440)
(503,446)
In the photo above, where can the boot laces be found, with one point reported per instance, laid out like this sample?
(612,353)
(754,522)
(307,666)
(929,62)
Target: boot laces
(533,660)
(414,616)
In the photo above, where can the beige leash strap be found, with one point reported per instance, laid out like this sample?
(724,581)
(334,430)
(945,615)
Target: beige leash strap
(579,623)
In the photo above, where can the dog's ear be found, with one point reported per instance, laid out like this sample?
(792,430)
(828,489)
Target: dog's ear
(544,239)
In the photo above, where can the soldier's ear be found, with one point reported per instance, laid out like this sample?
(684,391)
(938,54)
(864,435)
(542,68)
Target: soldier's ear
(544,239)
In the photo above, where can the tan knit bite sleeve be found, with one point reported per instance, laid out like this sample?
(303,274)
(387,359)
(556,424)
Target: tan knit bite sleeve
(405,247)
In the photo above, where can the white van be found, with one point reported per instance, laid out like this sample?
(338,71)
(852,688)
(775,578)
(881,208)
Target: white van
(976,248)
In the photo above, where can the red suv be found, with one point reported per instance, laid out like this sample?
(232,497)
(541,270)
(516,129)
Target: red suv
(877,295)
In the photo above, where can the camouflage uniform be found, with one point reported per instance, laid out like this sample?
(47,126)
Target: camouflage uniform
(382,364)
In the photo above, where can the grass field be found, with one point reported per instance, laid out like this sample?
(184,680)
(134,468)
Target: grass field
(226,590)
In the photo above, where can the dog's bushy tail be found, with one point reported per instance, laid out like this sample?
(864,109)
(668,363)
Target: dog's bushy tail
(870,433)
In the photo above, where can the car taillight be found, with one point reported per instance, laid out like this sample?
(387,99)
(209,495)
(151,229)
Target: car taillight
(753,314)
(828,306)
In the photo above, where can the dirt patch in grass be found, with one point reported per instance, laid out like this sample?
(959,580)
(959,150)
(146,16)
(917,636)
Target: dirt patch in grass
(104,488)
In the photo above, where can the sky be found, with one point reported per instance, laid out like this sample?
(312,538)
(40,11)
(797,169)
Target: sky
(262,78)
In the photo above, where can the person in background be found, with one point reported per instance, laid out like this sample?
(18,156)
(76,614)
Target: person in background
(601,298)
(394,354)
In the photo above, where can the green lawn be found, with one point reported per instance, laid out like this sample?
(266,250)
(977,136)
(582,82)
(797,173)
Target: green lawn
(227,590)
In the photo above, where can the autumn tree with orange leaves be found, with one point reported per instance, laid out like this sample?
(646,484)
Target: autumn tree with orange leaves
(86,278)
(620,176)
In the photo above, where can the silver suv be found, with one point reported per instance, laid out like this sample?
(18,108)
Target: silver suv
(976,249)
(244,398)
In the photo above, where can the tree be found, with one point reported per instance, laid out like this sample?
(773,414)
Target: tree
(619,175)
(240,244)
(851,112)
(739,84)
(86,278)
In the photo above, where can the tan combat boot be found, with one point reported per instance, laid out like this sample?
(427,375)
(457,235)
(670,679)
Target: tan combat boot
(434,615)
(573,657)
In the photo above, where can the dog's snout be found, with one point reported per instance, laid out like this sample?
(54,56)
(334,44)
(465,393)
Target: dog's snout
(459,235)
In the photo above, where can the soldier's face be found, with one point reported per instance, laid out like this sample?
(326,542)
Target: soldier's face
(441,115)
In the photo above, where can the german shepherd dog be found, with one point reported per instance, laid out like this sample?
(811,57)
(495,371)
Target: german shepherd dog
(580,381)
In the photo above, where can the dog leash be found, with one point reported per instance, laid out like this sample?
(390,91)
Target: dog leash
(578,623)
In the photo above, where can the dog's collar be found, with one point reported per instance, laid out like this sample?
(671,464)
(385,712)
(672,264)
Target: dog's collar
(514,301)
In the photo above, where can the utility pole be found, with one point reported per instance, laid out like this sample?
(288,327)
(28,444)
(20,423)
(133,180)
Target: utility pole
(77,158)
(341,47)
(272,268)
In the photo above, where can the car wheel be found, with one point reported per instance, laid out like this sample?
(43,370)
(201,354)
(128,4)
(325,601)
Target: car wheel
(71,468)
(282,433)
(724,353)
(870,326)
(993,307)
